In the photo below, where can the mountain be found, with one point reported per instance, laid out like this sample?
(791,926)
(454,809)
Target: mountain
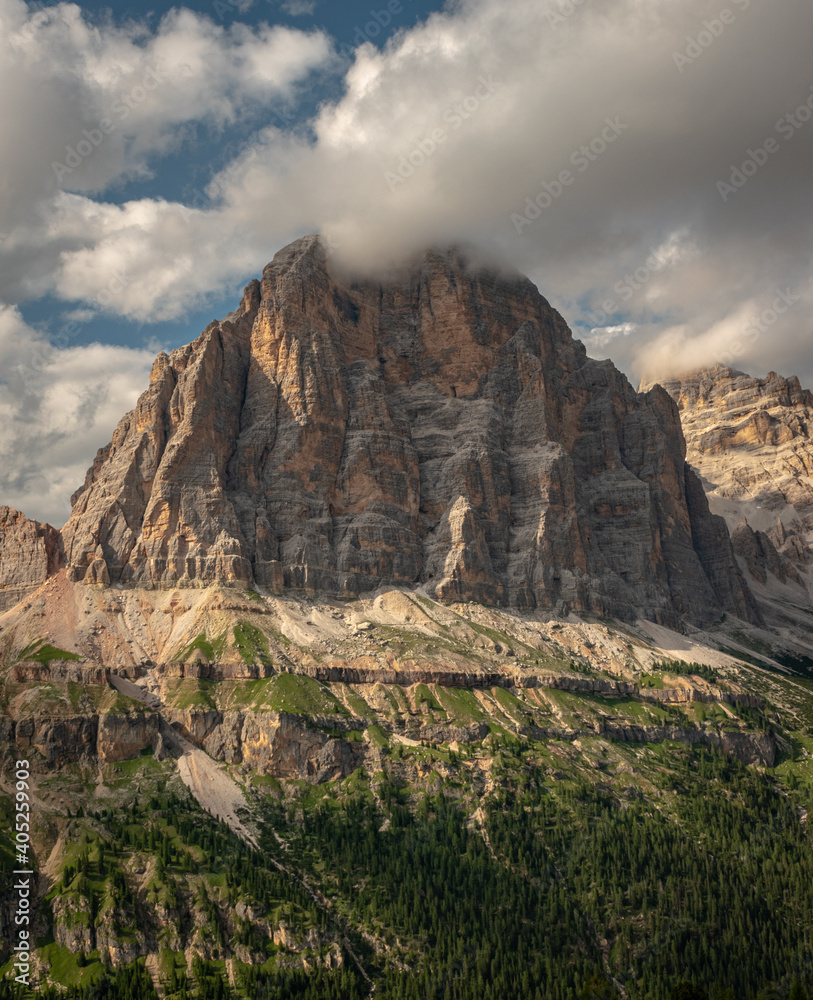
(751,442)
(441,429)
(30,552)
(392,649)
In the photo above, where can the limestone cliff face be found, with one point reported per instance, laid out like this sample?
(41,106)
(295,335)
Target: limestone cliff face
(443,428)
(759,554)
(61,740)
(274,743)
(29,553)
(750,439)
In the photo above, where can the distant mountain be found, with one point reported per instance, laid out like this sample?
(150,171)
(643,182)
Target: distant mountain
(751,441)
(29,553)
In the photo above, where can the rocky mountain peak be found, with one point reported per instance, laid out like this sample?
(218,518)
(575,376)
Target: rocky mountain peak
(734,392)
(29,553)
(440,429)
(750,441)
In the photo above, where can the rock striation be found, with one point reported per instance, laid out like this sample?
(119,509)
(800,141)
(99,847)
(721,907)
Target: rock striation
(274,743)
(61,740)
(442,428)
(29,554)
(750,440)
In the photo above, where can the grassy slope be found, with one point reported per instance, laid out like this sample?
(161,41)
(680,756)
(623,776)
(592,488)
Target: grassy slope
(513,865)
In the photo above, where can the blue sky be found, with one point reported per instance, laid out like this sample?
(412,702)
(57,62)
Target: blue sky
(184,174)
(645,162)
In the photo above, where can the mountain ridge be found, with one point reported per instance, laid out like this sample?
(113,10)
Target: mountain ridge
(751,442)
(443,429)
(30,552)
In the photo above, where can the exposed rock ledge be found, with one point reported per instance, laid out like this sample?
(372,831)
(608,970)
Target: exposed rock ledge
(289,746)
(29,553)
(83,738)
(751,748)
(366,670)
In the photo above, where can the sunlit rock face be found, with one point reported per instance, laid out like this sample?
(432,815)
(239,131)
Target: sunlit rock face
(29,553)
(751,441)
(441,428)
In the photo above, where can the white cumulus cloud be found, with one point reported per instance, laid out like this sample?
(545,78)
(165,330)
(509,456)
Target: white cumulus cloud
(57,407)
